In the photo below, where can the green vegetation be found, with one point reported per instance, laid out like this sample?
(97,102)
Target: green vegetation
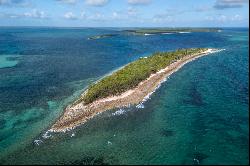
(132,74)
(143,31)
(101,36)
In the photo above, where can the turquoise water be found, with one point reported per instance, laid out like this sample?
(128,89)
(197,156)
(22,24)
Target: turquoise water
(198,116)
(8,61)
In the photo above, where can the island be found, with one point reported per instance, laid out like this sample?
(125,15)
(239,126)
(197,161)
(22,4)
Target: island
(153,31)
(126,86)
(101,36)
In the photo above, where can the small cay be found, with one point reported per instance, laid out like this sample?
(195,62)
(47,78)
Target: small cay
(129,85)
(101,36)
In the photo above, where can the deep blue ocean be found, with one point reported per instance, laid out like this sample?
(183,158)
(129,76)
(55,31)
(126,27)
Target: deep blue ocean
(198,116)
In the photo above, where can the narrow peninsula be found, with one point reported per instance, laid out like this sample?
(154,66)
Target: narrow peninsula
(127,86)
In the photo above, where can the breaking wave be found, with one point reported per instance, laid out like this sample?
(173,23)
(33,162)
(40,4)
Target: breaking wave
(184,32)
(167,33)
(119,112)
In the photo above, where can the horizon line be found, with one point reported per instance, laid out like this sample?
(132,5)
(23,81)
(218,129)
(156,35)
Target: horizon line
(123,26)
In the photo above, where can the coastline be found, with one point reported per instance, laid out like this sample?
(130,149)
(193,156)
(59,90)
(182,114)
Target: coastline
(77,114)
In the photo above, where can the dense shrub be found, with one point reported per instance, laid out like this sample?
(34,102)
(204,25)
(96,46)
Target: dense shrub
(132,74)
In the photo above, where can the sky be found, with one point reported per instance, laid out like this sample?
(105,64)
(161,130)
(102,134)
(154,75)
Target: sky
(125,13)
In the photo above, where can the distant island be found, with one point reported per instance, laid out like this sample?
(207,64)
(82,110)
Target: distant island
(101,36)
(145,31)
(155,31)
(129,85)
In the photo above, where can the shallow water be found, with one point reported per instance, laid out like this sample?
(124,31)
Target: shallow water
(8,61)
(198,116)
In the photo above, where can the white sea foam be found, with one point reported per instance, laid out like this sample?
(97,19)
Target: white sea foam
(38,142)
(196,160)
(140,105)
(72,135)
(65,130)
(147,34)
(148,95)
(167,33)
(129,105)
(47,134)
(119,112)
(218,50)
(184,32)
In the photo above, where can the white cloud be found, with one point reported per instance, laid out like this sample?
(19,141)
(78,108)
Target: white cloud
(220,18)
(162,19)
(88,2)
(139,2)
(35,14)
(121,15)
(96,2)
(87,16)
(224,4)
(223,18)
(7,15)
(115,14)
(97,17)
(236,17)
(70,16)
